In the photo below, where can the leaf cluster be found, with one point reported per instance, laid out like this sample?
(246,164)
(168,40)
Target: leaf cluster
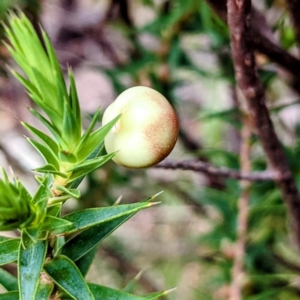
(54,252)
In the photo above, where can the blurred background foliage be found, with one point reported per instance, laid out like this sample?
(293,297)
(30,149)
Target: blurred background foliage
(182,49)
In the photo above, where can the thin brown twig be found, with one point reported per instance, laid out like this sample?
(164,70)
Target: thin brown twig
(239,16)
(236,287)
(206,168)
(261,38)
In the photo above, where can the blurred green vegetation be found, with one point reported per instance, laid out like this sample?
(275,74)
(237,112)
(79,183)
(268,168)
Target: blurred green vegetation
(182,49)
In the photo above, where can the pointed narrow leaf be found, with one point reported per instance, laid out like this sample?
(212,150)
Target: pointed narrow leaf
(41,209)
(9,251)
(67,157)
(85,261)
(74,102)
(55,132)
(4,176)
(8,281)
(88,131)
(29,268)
(10,296)
(44,290)
(74,184)
(43,190)
(102,292)
(48,91)
(56,225)
(158,295)
(54,210)
(49,169)
(31,89)
(82,243)
(93,216)
(59,199)
(132,283)
(23,191)
(67,276)
(57,71)
(89,166)
(47,154)
(95,138)
(70,127)
(47,140)
(29,236)
(72,192)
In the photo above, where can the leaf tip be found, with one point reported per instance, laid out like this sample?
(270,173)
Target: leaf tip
(118,201)
(155,195)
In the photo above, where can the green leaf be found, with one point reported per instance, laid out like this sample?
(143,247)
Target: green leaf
(132,283)
(58,200)
(86,260)
(24,194)
(44,290)
(9,251)
(158,295)
(40,212)
(8,281)
(4,176)
(29,236)
(4,238)
(43,190)
(74,184)
(67,276)
(55,132)
(67,157)
(88,166)
(88,131)
(47,89)
(94,139)
(30,265)
(32,90)
(79,245)
(56,225)
(74,102)
(93,216)
(49,169)
(10,296)
(82,243)
(47,140)
(46,153)
(38,65)
(71,192)
(102,292)
(70,128)
(54,210)
(57,71)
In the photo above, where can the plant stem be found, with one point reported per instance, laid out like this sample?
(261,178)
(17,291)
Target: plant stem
(236,286)
(239,16)
(206,168)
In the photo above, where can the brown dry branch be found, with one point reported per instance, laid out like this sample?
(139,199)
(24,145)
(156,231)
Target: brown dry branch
(206,168)
(262,39)
(239,22)
(236,286)
(294,8)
